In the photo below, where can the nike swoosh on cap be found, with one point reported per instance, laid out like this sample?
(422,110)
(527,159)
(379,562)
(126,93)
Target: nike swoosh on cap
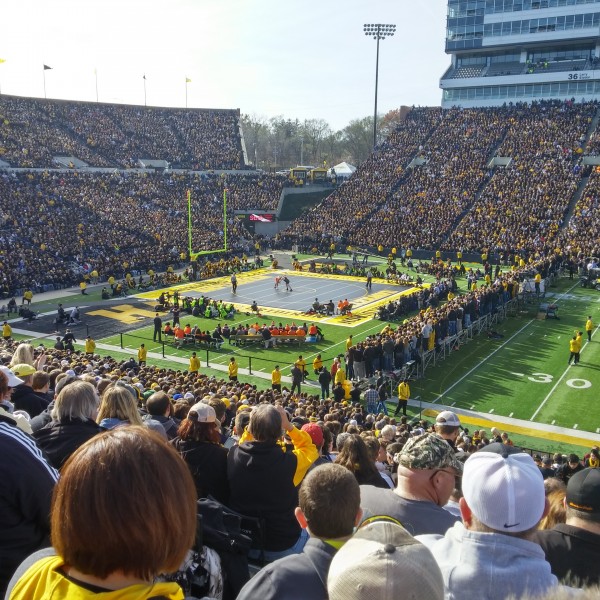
(506,526)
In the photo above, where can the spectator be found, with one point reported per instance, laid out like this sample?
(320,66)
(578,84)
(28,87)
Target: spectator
(382,560)
(329,509)
(427,468)
(160,409)
(447,426)
(100,532)
(199,443)
(573,548)
(23,396)
(264,480)
(355,457)
(492,549)
(73,422)
(27,481)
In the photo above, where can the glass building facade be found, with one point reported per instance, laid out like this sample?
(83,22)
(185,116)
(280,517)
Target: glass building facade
(505,50)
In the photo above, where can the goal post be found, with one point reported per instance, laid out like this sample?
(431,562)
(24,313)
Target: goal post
(194,255)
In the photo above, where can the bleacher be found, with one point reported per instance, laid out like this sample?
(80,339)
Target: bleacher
(504,68)
(467,72)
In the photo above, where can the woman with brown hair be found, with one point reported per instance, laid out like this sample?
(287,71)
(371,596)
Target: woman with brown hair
(199,443)
(123,512)
(354,455)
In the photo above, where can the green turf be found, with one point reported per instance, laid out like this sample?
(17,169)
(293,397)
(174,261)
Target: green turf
(527,369)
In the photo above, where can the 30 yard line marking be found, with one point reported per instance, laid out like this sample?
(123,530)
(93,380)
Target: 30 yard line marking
(558,382)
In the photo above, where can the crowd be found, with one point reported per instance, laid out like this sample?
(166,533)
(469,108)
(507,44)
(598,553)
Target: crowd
(33,131)
(524,204)
(451,197)
(462,510)
(55,226)
(353,203)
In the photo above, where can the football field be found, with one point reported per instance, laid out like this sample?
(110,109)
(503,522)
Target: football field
(518,380)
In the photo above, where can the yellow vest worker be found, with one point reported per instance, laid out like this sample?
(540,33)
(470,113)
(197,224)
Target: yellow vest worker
(403,391)
(276,378)
(90,345)
(589,327)
(194,363)
(317,363)
(142,353)
(6,331)
(233,370)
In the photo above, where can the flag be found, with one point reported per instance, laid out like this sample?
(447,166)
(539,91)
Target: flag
(188,80)
(144,77)
(47,68)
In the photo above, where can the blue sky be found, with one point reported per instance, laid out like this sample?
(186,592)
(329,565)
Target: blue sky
(304,60)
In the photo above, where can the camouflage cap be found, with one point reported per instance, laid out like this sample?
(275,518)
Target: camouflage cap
(428,451)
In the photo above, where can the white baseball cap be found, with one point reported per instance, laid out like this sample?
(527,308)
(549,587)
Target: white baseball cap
(447,417)
(206,413)
(13,380)
(504,488)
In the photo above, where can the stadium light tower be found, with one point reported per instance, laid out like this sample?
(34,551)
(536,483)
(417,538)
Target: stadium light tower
(378,31)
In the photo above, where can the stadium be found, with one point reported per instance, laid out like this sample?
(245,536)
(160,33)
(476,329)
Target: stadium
(145,245)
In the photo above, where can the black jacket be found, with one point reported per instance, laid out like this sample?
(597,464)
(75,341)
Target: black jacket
(261,480)
(573,554)
(26,484)
(24,398)
(208,465)
(298,577)
(59,439)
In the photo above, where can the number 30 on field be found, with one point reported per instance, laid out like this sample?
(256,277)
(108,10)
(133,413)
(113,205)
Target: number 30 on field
(577,384)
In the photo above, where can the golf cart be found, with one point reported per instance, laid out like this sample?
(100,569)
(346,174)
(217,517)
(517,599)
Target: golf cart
(590,276)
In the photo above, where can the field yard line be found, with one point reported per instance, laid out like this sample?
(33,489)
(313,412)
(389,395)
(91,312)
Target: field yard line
(557,383)
(483,361)
(494,352)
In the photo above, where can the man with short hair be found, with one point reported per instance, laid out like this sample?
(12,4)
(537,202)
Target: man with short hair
(329,509)
(493,549)
(371,398)
(427,468)
(572,466)
(447,426)
(573,548)
(157,328)
(159,409)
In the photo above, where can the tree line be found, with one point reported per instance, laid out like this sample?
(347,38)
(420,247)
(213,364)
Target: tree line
(279,143)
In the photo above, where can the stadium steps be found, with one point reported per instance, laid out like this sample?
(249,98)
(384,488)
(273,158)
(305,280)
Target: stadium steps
(486,179)
(573,202)
(591,129)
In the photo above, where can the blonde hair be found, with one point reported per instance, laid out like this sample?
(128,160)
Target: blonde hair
(118,402)
(23,355)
